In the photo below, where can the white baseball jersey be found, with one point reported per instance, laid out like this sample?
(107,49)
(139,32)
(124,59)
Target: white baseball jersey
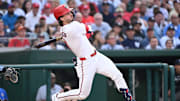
(89,62)
(74,35)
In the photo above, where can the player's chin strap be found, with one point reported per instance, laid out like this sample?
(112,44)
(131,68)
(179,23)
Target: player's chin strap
(126,94)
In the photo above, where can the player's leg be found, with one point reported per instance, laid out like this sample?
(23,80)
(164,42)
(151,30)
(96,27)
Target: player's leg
(86,72)
(107,68)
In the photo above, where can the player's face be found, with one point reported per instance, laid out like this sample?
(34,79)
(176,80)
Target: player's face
(67,18)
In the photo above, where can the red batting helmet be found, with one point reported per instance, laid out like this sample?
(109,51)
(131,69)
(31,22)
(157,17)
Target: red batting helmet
(61,10)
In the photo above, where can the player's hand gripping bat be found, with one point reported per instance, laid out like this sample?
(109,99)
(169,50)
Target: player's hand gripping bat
(47,42)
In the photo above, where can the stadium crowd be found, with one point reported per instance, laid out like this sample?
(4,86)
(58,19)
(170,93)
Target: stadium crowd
(117,24)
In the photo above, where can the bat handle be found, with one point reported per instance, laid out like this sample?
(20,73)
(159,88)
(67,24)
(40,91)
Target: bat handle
(47,42)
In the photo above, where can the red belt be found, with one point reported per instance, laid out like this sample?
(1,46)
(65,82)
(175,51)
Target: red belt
(84,58)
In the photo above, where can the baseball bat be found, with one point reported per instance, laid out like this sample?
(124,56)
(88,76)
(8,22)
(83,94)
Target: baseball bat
(42,44)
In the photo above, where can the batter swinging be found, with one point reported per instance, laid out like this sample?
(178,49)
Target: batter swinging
(89,60)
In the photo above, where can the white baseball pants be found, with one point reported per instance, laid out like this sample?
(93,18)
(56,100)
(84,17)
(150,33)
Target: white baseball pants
(86,70)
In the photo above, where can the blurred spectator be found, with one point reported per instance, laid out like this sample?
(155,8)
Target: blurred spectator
(119,11)
(37,32)
(1,44)
(78,17)
(111,7)
(13,33)
(21,20)
(134,19)
(119,20)
(115,3)
(27,6)
(111,43)
(3,95)
(93,9)
(151,22)
(139,33)
(176,8)
(175,23)
(20,40)
(3,5)
(149,11)
(143,9)
(41,93)
(100,25)
(86,19)
(67,87)
(50,19)
(3,35)
(129,4)
(167,4)
(158,5)
(125,15)
(155,5)
(42,22)
(32,18)
(97,40)
(146,41)
(159,25)
(169,44)
(72,4)
(10,18)
(137,4)
(18,11)
(169,35)
(136,12)
(40,2)
(130,42)
(107,15)
(117,30)
(54,4)
(153,45)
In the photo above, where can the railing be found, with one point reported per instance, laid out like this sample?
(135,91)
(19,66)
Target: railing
(157,67)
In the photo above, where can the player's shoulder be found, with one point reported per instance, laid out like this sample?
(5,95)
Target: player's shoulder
(71,25)
(76,23)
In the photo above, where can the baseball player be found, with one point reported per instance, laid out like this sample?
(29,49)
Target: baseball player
(89,60)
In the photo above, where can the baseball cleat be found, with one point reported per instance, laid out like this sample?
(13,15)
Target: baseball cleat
(126,94)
